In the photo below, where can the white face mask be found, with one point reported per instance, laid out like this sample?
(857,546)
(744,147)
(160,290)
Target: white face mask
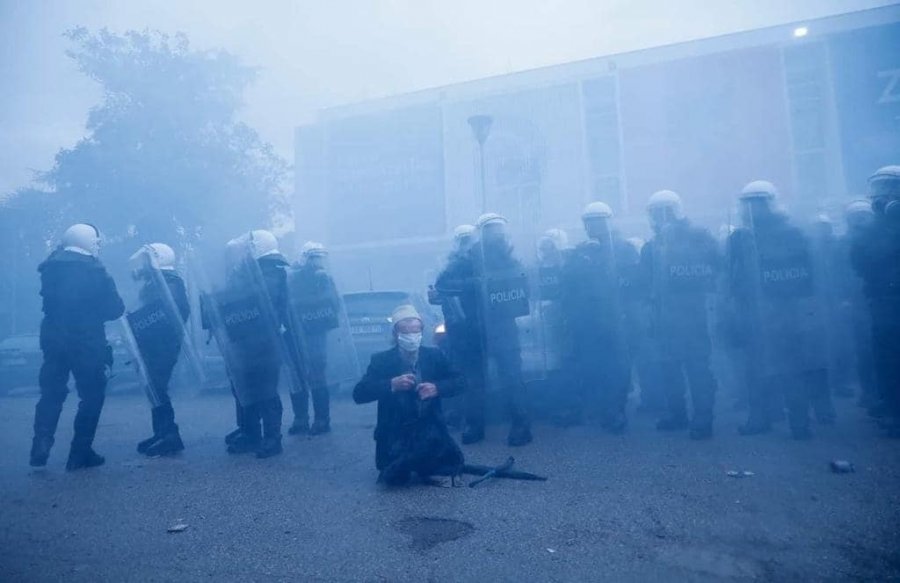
(409,341)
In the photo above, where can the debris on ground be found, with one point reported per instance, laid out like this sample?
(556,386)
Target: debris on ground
(842,467)
(177,527)
(739,474)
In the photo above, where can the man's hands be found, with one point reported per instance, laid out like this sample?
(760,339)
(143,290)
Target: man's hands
(404,382)
(407,382)
(427,391)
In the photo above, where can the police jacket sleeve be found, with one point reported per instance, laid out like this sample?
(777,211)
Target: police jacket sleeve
(375,384)
(448,380)
(110,302)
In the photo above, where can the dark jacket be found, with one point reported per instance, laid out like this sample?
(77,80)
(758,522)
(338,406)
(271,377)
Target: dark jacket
(398,411)
(79,296)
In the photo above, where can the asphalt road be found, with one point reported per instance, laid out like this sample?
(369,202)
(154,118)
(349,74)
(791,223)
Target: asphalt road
(638,507)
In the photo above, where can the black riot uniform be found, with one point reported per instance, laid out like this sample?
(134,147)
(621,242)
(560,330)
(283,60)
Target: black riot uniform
(159,334)
(253,316)
(315,307)
(772,282)
(876,258)
(78,297)
(593,279)
(490,332)
(679,267)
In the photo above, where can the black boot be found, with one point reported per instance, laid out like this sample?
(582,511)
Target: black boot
(319,427)
(246,439)
(268,447)
(270,413)
(672,423)
(81,457)
(168,444)
(40,450)
(755,427)
(299,427)
(155,421)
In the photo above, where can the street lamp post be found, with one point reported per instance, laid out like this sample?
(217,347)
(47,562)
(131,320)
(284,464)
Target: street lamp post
(481,128)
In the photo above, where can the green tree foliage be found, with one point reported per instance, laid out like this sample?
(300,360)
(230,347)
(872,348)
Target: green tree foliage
(165,157)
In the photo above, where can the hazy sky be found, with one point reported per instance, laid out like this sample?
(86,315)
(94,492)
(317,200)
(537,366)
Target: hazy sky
(320,53)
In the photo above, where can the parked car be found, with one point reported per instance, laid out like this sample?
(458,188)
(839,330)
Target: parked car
(20,363)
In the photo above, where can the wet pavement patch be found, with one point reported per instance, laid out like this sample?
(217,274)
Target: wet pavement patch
(427,532)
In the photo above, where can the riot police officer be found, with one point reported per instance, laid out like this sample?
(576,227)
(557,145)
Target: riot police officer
(315,306)
(490,283)
(680,265)
(876,258)
(78,298)
(252,335)
(593,278)
(158,328)
(772,281)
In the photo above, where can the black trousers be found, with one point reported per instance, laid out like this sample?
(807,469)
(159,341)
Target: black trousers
(311,365)
(696,371)
(86,362)
(258,406)
(601,379)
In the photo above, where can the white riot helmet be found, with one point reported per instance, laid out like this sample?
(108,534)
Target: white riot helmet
(160,256)
(856,207)
(884,190)
(596,210)
(491,219)
(666,199)
(262,243)
(82,238)
(559,238)
(463,231)
(313,249)
(759,189)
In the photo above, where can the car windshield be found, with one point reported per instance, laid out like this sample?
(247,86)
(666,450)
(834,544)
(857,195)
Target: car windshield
(374,304)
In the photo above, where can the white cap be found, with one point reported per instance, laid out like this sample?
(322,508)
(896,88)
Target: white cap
(262,243)
(464,231)
(405,312)
(161,256)
(491,219)
(759,189)
(597,210)
(665,199)
(313,249)
(82,238)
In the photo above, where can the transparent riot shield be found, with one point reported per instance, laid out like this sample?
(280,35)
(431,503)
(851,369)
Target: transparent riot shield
(548,313)
(512,331)
(786,334)
(322,348)
(238,313)
(154,328)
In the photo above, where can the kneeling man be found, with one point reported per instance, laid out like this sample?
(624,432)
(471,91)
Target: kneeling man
(408,382)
